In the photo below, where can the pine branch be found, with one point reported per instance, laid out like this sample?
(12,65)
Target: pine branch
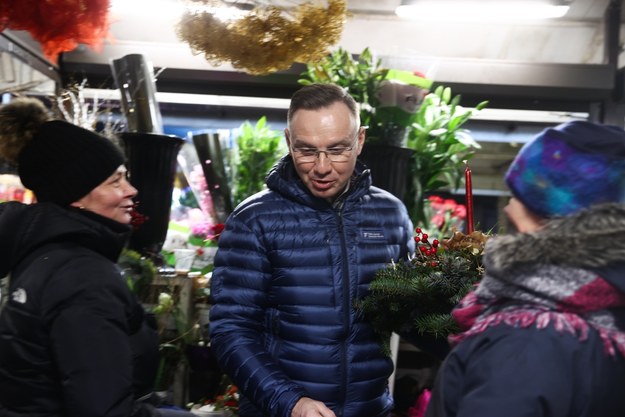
(419,295)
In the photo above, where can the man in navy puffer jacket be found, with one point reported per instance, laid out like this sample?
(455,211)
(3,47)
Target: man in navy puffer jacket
(292,260)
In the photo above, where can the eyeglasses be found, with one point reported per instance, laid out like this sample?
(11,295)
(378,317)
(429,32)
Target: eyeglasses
(335,154)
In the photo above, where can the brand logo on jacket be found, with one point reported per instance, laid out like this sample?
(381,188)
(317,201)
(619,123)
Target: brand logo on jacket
(372,234)
(19,296)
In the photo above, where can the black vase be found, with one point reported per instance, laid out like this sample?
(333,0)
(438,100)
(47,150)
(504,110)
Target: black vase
(389,167)
(209,153)
(151,162)
(205,374)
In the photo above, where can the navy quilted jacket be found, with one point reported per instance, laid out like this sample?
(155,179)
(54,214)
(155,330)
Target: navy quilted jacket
(287,272)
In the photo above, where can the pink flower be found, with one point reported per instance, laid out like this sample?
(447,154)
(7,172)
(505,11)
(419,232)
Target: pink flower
(201,229)
(460,211)
(435,199)
(438,220)
(445,213)
(449,204)
(421,405)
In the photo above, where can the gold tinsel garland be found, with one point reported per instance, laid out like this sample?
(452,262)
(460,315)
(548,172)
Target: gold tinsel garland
(268,38)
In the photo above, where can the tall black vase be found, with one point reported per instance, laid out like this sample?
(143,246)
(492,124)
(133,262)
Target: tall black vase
(389,167)
(209,152)
(151,162)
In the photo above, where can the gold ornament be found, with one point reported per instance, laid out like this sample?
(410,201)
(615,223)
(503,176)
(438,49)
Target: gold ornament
(268,38)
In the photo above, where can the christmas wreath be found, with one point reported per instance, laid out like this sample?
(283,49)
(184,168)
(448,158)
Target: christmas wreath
(417,296)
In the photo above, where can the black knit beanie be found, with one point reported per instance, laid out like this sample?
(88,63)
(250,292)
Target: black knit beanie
(62,162)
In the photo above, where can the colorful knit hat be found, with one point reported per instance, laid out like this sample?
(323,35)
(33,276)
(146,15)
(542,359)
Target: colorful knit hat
(569,167)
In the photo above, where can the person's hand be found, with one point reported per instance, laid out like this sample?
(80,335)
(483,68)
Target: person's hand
(307,407)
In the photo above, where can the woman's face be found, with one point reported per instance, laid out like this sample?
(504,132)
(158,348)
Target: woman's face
(112,198)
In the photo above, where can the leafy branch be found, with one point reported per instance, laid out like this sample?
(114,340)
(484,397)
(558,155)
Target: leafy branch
(441,147)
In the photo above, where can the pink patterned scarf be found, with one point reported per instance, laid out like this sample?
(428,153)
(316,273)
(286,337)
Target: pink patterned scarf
(548,278)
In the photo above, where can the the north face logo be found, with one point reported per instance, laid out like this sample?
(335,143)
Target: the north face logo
(19,295)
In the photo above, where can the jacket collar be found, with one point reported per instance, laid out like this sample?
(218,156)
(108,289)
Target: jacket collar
(589,239)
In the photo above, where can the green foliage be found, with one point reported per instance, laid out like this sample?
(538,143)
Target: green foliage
(441,145)
(441,148)
(362,78)
(187,199)
(138,270)
(258,149)
(170,356)
(418,296)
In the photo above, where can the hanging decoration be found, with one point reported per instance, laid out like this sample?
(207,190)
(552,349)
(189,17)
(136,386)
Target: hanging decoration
(58,25)
(266,39)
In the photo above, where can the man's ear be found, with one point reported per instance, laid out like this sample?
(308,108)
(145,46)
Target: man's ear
(287,137)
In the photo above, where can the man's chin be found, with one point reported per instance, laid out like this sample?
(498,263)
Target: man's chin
(329,194)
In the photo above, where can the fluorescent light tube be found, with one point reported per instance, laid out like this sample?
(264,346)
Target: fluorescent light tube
(465,10)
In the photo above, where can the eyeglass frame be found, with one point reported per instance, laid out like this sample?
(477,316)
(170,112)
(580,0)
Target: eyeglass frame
(317,152)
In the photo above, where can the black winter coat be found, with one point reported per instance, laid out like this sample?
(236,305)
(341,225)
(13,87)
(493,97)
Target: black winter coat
(74,341)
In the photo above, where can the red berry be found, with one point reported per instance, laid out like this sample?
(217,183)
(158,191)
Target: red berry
(423,249)
(425,236)
(434,263)
(434,250)
(435,243)
(417,239)
(418,230)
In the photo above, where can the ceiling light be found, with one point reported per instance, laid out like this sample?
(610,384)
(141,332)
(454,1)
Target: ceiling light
(491,114)
(156,8)
(484,10)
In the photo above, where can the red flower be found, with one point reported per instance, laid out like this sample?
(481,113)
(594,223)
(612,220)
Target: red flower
(218,228)
(215,231)
(136,218)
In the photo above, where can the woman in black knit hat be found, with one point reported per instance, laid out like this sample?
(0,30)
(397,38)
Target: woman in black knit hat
(74,341)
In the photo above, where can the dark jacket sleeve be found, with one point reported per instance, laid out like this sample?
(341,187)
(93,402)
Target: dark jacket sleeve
(238,289)
(86,310)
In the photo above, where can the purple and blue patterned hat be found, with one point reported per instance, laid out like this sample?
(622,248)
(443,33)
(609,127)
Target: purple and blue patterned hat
(570,167)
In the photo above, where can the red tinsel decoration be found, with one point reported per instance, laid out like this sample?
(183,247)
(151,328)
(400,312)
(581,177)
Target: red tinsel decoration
(58,25)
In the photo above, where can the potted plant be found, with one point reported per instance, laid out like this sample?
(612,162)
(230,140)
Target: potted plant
(441,148)
(415,140)
(388,98)
(258,149)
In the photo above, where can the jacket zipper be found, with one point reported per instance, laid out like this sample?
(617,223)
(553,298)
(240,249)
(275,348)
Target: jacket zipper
(346,306)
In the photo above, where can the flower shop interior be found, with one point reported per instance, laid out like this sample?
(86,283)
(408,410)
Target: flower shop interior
(492,75)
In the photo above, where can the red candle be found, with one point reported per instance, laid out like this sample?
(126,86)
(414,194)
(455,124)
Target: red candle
(469,198)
